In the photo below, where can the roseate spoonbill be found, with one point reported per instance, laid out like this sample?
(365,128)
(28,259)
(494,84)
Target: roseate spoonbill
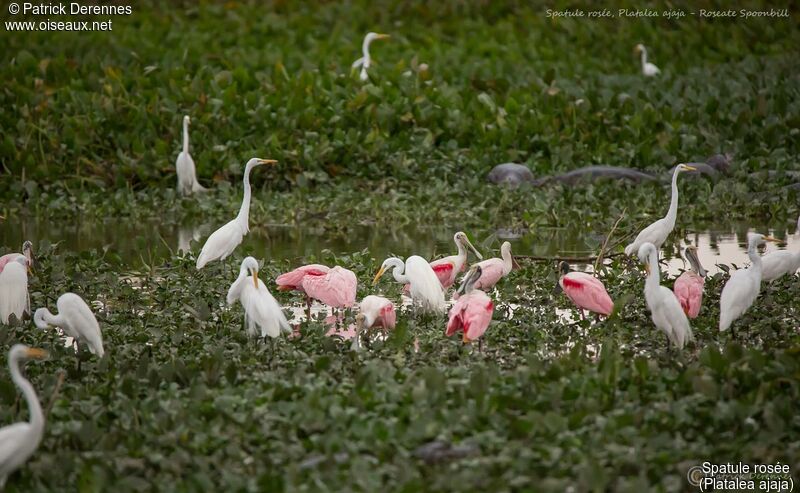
(335,288)
(585,290)
(742,288)
(14,298)
(688,287)
(494,269)
(294,281)
(184,165)
(365,61)
(27,252)
(648,69)
(473,311)
(665,309)
(776,264)
(20,440)
(76,319)
(224,241)
(448,268)
(374,311)
(263,315)
(426,290)
(657,232)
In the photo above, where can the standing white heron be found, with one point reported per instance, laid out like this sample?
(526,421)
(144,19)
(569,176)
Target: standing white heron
(76,319)
(14,298)
(742,288)
(426,290)
(184,165)
(20,440)
(665,309)
(658,232)
(366,60)
(224,241)
(262,313)
(648,69)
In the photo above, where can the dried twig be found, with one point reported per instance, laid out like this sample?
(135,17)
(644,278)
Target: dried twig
(599,259)
(54,395)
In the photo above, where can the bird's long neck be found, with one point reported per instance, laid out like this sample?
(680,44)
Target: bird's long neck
(185,136)
(44,319)
(654,279)
(34,408)
(644,57)
(755,258)
(507,263)
(399,272)
(672,213)
(244,212)
(461,257)
(365,49)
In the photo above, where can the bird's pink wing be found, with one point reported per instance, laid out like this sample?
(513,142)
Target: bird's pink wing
(454,322)
(445,271)
(587,292)
(6,259)
(492,271)
(388,316)
(477,316)
(337,288)
(294,279)
(688,289)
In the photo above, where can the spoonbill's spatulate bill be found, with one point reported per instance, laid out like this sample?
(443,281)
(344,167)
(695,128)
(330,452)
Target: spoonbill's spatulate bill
(76,319)
(262,314)
(224,241)
(666,311)
(366,60)
(688,287)
(426,290)
(373,311)
(585,290)
(448,268)
(184,165)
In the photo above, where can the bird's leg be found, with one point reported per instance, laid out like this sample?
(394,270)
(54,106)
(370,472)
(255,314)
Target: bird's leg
(77,353)
(583,316)
(480,345)
(308,308)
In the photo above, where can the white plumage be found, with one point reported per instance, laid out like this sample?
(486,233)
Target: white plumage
(76,319)
(776,264)
(184,165)
(665,309)
(262,313)
(648,69)
(366,60)
(425,289)
(14,289)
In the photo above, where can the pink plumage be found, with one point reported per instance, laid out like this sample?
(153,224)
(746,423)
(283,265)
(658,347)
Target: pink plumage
(491,272)
(336,288)
(445,271)
(6,259)
(587,292)
(294,280)
(378,312)
(688,289)
(470,314)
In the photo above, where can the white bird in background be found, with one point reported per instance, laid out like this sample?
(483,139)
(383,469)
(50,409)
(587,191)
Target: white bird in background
(224,241)
(665,309)
(776,264)
(76,319)
(184,165)
(365,61)
(658,232)
(426,290)
(262,313)
(20,440)
(648,69)
(14,298)
(742,288)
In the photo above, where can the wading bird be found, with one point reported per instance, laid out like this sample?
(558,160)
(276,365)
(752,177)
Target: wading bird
(658,232)
(263,315)
(293,281)
(742,288)
(374,311)
(494,269)
(448,268)
(776,264)
(665,309)
(184,166)
(76,319)
(14,289)
(224,241)
(585,290)
(20,440)
(27,252)
(426,290)
(473,311)
(688,287)
(648,69)
(366,60)
(335,288)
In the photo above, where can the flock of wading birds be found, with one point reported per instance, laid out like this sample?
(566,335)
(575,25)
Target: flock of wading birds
(425,282)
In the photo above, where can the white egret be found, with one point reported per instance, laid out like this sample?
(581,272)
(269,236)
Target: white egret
(665,309)
(658,232)
(366,60)
(14,298)
(648,69)
(184,165)
(426,290)
(224,241)
(262,313)
(742,288)
(20,440)
(76,319)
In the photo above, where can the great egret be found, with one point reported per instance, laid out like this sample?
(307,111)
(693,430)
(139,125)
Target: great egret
(293,281)
(742,288)
(76,319)
(658,232)
(184,165)
(688,287)
(776,264)
(494,269)
(665,309)
(448,268)
(373,311)
(585,290)
(14,298)
(224,241)
(648,69)
(426,290)
(262,313)
(20,440)
(336,288)
(473,311)
(366,60)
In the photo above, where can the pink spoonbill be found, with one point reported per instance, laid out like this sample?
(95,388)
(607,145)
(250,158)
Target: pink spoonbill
(688,286)
(585,290)
(374,311)
(293,281)
(473,311)
(335,288)
(494,269)
(446,269)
